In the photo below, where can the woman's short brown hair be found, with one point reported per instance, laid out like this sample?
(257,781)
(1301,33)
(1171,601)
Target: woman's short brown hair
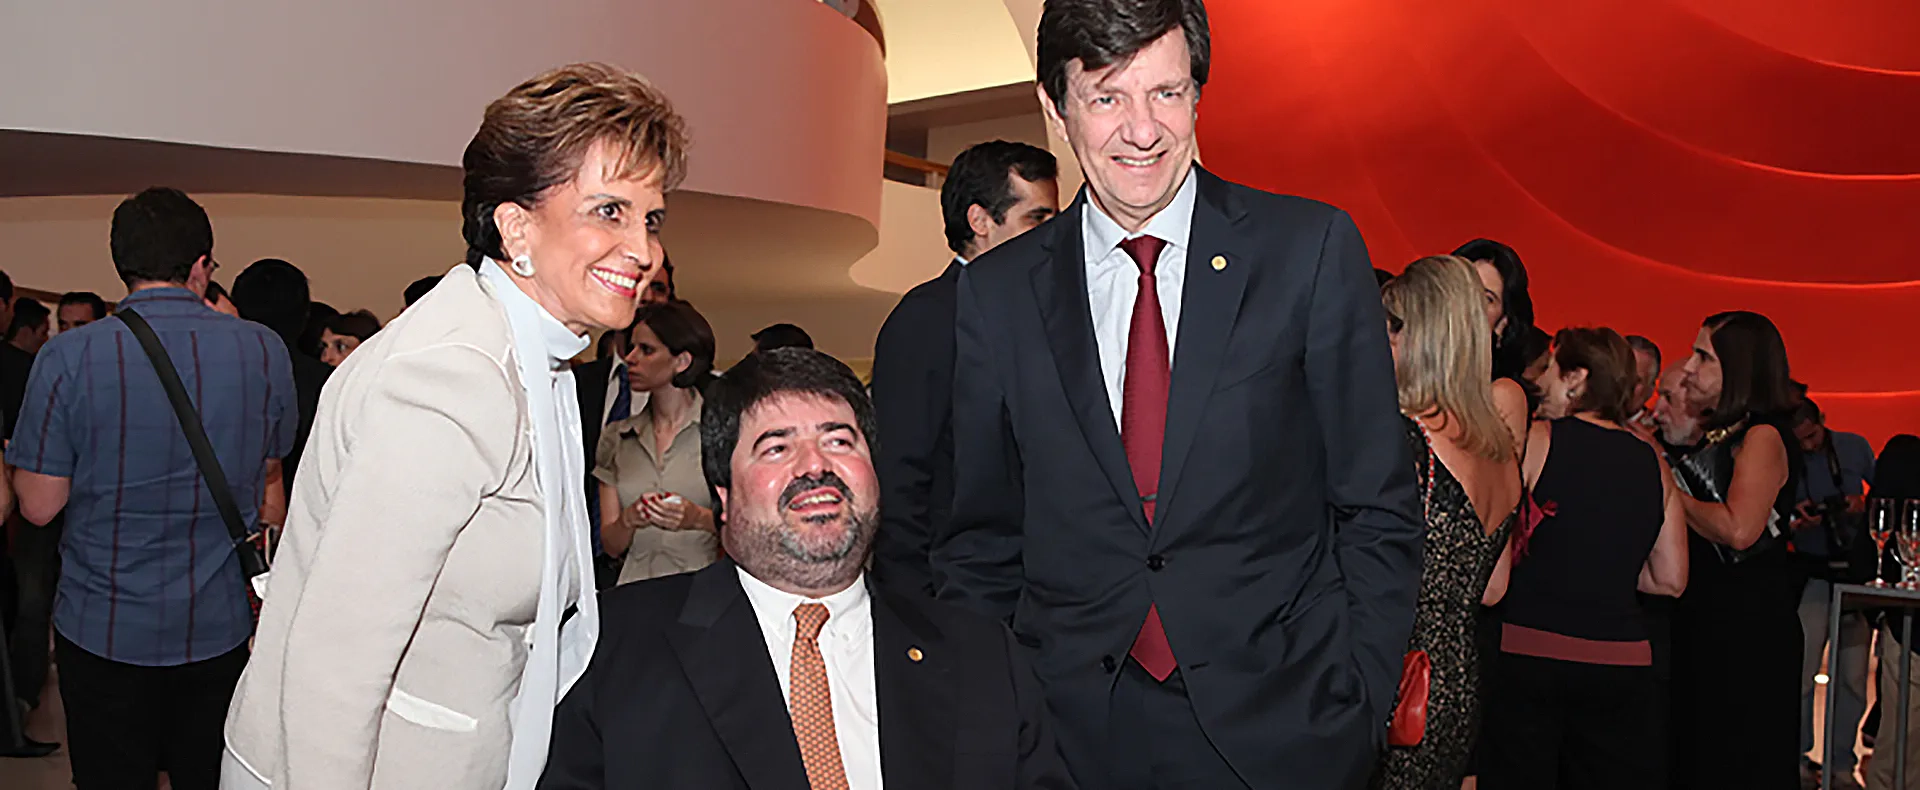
(535,137)
(1611,373)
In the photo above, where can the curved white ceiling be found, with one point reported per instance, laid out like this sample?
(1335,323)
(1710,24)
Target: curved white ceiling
(786,98)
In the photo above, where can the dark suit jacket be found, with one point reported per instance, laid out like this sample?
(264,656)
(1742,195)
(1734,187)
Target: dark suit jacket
(309,378)
(15,366)
(913,399)
(1285,556)
(590,383)
(681,694)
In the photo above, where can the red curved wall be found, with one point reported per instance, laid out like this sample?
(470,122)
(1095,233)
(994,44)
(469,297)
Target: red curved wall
(1654,161)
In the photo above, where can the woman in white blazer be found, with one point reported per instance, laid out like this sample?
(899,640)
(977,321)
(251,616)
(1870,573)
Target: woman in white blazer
(412,635)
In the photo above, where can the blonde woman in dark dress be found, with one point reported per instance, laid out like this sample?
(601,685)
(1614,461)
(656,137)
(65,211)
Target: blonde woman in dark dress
(1470,478)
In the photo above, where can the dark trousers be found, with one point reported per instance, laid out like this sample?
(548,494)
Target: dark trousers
(1156,739)
(127,723)
(1561,725)
(36,565)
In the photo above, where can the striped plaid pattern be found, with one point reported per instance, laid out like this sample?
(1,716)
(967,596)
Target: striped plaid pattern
(147,574)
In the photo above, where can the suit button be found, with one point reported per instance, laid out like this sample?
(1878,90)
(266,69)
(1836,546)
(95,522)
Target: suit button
(1156,562)
(1107,663)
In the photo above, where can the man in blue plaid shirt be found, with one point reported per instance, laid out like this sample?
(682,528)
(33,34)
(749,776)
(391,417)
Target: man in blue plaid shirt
(151,618)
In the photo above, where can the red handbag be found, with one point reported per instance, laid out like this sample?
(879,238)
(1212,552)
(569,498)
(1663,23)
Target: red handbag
(1409,724)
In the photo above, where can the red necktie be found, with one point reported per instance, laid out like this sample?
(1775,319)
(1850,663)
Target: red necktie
(1143,424)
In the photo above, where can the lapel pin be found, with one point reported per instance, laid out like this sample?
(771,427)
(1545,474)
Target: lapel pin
(914,655)
(1219,263)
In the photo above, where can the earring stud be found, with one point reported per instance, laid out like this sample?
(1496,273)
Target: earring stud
(523,265)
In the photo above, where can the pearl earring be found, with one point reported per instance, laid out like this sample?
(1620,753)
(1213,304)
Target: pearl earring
(523,265)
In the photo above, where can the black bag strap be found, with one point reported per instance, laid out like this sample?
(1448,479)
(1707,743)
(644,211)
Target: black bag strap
(189,423)
(1833,466)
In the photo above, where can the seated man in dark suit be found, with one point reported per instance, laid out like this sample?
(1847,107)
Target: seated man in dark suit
(781,667)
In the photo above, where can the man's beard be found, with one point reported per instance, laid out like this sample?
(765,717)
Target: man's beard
(776,550)
(1679,432)
(859,526)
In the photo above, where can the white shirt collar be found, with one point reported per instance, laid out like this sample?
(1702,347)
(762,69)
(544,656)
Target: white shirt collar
(1174,224)
(959,259)
(559,342)
(848,611)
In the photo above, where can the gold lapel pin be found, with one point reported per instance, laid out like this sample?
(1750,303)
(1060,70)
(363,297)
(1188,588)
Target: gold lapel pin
(1219,263)
(914,655)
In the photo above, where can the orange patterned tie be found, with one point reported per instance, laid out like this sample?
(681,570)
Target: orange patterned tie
(810,703)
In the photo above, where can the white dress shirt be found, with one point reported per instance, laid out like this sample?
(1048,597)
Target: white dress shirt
(846,645)
(1113,280)
(556,654)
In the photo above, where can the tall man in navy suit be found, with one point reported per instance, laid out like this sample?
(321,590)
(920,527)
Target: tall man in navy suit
(1180,468)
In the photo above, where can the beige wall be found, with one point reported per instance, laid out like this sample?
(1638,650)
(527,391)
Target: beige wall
(358,253)
(937,47)
(946,142)
(362,253)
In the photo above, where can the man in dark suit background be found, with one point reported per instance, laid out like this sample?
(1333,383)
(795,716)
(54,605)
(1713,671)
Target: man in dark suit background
(276,293)
(1180,468)
(780,668)
(994,191)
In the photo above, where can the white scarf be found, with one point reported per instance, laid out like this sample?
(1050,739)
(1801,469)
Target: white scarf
(556,656)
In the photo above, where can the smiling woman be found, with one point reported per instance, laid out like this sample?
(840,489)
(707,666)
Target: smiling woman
(441,464)
(567,179)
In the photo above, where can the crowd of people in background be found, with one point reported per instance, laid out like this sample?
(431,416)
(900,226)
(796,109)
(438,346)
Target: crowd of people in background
(1152,489)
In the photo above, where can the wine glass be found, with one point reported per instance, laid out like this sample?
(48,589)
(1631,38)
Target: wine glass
(1882,514)
(1907,536)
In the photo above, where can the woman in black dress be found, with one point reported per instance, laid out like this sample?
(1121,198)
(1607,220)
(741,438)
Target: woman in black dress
(1896,476)
(1508,306)
(1575,703)
(1736,634)
(1471,488)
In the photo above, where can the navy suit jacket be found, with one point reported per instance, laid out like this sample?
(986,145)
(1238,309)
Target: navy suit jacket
(1286,548)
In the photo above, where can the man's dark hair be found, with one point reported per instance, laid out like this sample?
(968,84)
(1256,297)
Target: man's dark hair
(1534,345)
(1645,345)
(681,329)
(1100,33)
(319,316)
(760,377)
(609,344)
(1755,379)
(781,336)
(158,235)
(359,324)
(1515,301)
(6,287)
(1806,411)
(981,176)
(27,314)
(98,304)
(217,292)
(420,287)
(275,293)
